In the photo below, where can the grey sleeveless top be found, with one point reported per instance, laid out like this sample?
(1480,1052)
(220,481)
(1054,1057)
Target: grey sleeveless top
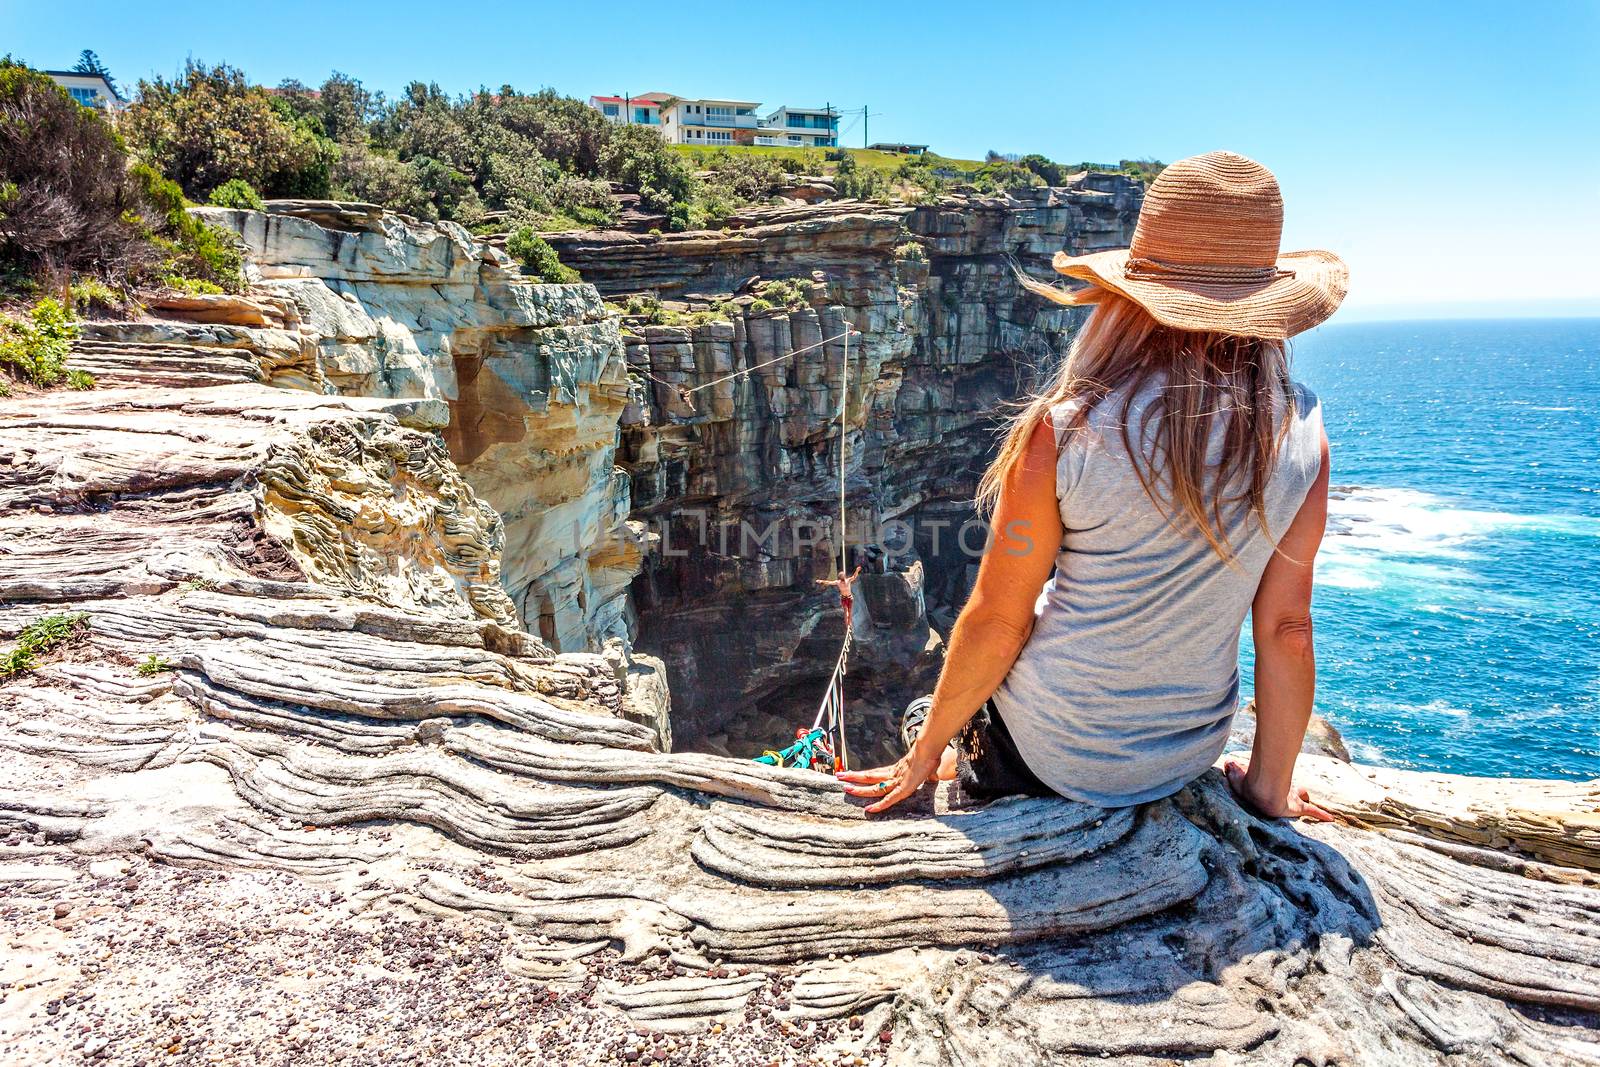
(1126,688)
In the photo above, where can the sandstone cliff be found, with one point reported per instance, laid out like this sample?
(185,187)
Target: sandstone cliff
(351,808)
(947,337)
(530,377)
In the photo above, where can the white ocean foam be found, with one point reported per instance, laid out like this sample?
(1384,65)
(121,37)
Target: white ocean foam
(1380,537)
(1432,709)
(1410,522)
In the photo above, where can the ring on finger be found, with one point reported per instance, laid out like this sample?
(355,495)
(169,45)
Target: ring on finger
(885,786)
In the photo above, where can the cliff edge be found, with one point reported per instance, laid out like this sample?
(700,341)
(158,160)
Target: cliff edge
(300,785)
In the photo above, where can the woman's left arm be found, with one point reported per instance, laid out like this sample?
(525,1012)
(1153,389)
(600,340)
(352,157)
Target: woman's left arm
(994,624)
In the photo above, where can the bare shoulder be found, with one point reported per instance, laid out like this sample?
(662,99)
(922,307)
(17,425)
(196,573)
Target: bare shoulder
(1040,457)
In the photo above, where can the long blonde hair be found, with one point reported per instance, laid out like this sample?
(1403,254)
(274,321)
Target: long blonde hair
(1204,376)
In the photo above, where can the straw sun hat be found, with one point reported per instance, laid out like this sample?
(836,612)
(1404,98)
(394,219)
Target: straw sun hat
(1205,256)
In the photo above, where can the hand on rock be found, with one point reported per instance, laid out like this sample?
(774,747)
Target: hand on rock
(1297,805)
(890,785)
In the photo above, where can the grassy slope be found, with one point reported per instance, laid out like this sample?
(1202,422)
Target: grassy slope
(864,157)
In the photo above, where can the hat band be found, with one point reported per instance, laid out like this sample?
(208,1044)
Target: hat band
(1156,270)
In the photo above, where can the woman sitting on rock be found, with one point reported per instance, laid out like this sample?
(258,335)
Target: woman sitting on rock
(1171,480)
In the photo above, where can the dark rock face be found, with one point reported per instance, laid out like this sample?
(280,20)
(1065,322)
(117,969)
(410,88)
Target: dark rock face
(737,482)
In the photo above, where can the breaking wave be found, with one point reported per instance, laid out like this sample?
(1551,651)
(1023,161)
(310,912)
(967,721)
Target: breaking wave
(1380,536)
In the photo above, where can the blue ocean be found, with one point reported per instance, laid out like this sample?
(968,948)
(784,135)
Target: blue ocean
(1458,590)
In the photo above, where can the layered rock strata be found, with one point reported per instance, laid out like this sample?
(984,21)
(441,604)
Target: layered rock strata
(717,511)
(738,480)
(530,379)
(387,785)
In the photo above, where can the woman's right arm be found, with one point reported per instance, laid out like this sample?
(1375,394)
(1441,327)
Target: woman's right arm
(1286,665)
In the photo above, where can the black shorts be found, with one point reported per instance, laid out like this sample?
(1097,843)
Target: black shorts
(988,764)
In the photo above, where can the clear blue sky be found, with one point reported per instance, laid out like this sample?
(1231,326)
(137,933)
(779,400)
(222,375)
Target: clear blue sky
(1450,151)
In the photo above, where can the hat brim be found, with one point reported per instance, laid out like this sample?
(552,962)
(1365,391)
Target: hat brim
(1310,287)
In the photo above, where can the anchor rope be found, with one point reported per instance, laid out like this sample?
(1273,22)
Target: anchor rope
(686,392)
(829,724)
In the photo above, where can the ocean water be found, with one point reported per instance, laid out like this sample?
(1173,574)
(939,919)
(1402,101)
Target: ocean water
(1457,600)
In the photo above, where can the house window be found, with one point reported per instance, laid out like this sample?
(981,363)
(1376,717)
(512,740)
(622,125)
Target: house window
(641,115)
(86,97)
(612,111)
(719,111)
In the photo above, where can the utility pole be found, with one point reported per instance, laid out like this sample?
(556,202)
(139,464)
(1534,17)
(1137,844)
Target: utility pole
(627,109)
(865,140)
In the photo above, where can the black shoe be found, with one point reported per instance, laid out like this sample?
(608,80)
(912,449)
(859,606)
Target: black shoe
(913,719)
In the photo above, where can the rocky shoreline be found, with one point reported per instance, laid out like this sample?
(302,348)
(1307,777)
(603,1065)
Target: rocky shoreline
(374,801)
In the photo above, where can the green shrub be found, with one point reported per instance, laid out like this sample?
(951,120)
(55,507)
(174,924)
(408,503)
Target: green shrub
(210,125)
(79,380)
(853,180)
(911,252)
(651,310)
(193,249)
(1005,176)
(685,216)
(538,259)
(637,157)
(642,306)
(67,203)
(1146,170)
(706,316)
(92,294)
(744,178)
(238,193)
(1049,172)
(153,665)
(189,286)
(39,637)
(792,293)
(35,347)
(760,305)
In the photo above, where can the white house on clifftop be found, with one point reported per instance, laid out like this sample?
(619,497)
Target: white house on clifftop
(90,90)
(722,122)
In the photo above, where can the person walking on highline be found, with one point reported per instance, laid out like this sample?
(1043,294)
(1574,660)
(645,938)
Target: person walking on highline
(843,584)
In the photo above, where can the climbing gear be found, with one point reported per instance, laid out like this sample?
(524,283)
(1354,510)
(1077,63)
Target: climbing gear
(913,719)
(828,726)
(823,747)
(811,751)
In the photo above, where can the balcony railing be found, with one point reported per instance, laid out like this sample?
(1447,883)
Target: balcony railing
(742,122)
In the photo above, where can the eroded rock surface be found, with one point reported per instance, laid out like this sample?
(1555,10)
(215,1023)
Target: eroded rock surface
(529,380)
(737,483)
(366,816)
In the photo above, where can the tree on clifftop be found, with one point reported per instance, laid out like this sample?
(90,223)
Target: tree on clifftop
(210,125)
(71,204)
(89,63)
(65,192)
